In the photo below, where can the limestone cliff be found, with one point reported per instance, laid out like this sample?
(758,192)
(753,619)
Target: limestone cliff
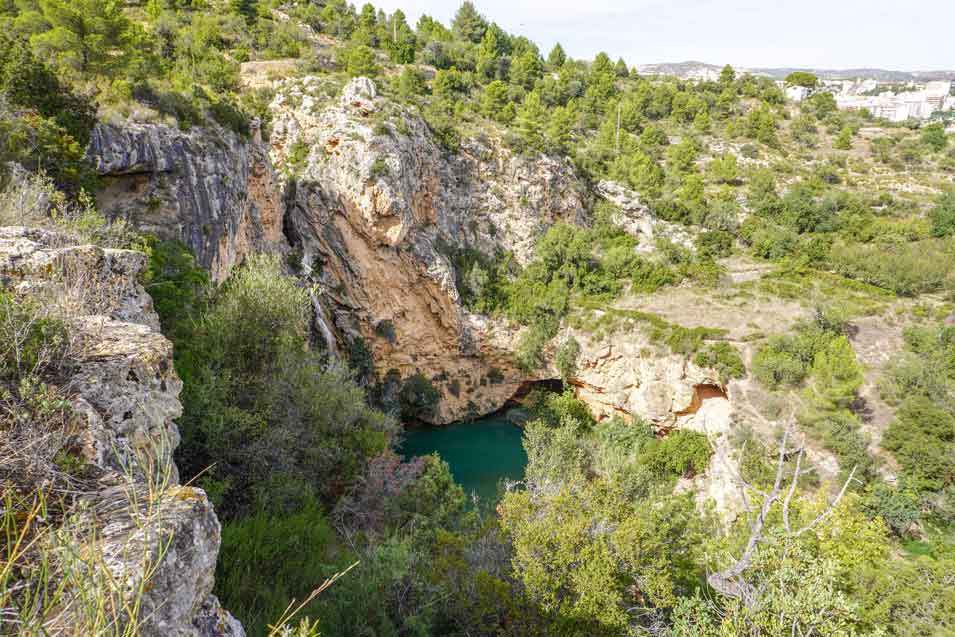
(357,188)
(378,209)
(207,187)
(123,392)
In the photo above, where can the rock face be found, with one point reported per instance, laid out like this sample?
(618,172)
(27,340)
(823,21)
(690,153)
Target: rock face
(207,187)
(625,374)
(378,212)
(636,218)
(124,394)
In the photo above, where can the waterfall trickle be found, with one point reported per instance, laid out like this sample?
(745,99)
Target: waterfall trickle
(322,322)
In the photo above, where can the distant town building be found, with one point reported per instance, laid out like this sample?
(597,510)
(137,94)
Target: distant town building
(797,93)
(921,103)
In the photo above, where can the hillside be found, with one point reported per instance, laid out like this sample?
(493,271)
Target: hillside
(245,246)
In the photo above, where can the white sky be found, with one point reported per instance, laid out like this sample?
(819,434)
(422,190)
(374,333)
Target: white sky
(891,34)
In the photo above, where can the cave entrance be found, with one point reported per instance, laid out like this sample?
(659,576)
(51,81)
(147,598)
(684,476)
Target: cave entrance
(549,385)
(702,392)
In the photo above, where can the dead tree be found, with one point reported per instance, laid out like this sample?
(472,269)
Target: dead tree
(732,581)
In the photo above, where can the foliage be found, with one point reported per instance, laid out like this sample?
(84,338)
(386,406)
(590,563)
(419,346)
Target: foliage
(787,360)
(267,413)
(294,552)
(934,137)
(29,84)
(802,78)
(88,36)
(942,216)
(566,358)
(724,358)
(360,60)
(418,397)
(907,269)
(922,438)
(580,570)
(177,284)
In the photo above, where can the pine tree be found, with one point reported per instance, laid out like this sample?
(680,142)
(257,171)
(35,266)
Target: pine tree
(530,121)
(488,54)
(468,24)
(844,141)
(621,68)
(560,127)
(339,18)
(526,69)
(557,56)
(600,83)
(495,102)
(837,375)
(86,35)
(727,75)
(399,39)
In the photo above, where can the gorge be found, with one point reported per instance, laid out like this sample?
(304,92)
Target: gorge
(314,323)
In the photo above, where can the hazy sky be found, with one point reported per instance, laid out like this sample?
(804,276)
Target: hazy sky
(893,34)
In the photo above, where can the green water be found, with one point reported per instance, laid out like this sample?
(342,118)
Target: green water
(480,453)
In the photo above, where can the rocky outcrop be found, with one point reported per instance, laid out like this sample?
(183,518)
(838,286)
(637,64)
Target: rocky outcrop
(208,187)
(151,534)
(635,217)
(626,374)
(379,211)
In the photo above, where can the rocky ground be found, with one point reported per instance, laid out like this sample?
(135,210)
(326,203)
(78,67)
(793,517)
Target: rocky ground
(135,517)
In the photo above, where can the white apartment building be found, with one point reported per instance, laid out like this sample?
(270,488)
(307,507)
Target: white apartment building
(919,104)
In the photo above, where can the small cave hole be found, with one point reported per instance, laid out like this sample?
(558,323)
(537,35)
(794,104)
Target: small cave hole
(701,393)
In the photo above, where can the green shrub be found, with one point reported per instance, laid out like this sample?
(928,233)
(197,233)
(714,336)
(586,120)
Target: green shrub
(178,285)
(260,407)
(777,364)
(32,344)
(681,453)
(898,506)
(566,358)
(714,243)
(386,329)
(529,356)
(553,408)
(379,168)
(907,269)
(418,398)
(359,60)
(27,83)
(724,358)
(933,136)
(229,115)
(942,216)
(922,439)
(293,552)
(840,432)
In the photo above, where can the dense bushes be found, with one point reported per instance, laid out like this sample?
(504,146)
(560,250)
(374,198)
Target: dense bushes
(270,416)
(820,353)
(294,552)
(942,216)
(724,358)
(922,382)
(44,125)
(418,398)
(908,269)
